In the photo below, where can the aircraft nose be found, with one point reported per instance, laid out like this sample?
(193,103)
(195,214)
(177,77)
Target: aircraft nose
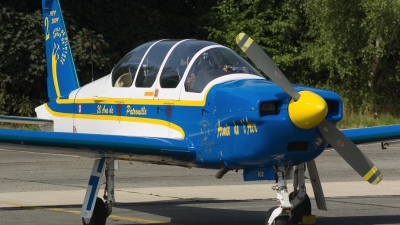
(308,111)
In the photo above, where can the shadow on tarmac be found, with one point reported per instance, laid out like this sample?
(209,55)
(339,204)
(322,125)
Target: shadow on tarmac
(218,212)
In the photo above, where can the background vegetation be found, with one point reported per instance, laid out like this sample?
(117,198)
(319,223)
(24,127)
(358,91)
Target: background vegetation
(351,47)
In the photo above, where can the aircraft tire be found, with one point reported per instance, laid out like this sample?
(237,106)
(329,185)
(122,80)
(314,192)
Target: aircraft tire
(108,209)
(304,208)
(99,214)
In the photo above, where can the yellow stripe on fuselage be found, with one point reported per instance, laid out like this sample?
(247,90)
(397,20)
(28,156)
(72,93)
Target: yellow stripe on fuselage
(130,101)
(134,101)
(119,118)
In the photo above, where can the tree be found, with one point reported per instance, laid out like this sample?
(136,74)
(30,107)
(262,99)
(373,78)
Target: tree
(23,66)
(277,26)
(356,50)
(22,62)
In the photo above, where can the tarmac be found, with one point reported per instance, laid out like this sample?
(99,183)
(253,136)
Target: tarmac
(49,189)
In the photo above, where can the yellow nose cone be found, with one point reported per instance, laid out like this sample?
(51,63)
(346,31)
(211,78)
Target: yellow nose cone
(308,111)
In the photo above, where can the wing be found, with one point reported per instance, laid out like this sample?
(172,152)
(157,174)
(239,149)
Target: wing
(146,149)
(373,134)
(24,120)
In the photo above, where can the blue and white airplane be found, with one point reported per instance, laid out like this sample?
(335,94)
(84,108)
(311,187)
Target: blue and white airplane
(195,104)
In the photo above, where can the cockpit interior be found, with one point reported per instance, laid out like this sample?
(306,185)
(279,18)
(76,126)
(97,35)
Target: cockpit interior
(194,62)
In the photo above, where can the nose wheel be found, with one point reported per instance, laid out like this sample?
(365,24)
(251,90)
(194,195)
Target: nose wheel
(293,207)
(280,220)
(302,209)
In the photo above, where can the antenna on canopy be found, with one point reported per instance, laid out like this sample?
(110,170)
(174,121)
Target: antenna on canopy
(91,55)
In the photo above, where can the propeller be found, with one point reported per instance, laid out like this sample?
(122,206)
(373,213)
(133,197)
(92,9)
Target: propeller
(307,109)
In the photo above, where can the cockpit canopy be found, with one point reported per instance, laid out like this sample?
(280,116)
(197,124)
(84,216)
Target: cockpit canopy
(196,62)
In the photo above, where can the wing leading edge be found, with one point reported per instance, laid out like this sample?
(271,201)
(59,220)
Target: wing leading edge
(373,134)
(148,149)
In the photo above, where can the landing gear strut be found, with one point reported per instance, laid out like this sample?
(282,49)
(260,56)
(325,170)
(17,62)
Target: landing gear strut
(109,189)
(96,213)
(298,198)
(281,214)
(294,206)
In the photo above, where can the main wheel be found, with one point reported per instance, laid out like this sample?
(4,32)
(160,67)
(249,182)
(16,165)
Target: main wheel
(108,209)
(99,214)
(304,208)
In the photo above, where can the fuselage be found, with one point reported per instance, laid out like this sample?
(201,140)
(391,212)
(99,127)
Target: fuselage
(199,92)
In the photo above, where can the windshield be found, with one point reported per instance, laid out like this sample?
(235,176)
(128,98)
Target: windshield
(124,72)
(178,61)
(214,63)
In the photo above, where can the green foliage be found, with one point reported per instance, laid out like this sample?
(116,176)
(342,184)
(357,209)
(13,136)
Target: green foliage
(235,16)
(19,126)
(350,47)
(356,51)
(356,120)
(85,56)
(22,66)
(128,24)
(277,26)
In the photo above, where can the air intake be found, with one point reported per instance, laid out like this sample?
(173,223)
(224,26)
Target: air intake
(298,146)
(269,108)
(333,106)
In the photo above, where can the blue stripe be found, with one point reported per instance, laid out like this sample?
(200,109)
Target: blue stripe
(93,181)
(101,164)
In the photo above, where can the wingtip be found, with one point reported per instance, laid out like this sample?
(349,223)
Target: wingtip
(239,37)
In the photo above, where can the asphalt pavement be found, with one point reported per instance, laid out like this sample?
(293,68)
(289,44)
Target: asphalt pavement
(49,189)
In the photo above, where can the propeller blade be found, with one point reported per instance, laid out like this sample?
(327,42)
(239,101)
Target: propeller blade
(350,152)
(265,63)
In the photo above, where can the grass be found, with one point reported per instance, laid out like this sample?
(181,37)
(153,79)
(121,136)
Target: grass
(361,120)
(18,126)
